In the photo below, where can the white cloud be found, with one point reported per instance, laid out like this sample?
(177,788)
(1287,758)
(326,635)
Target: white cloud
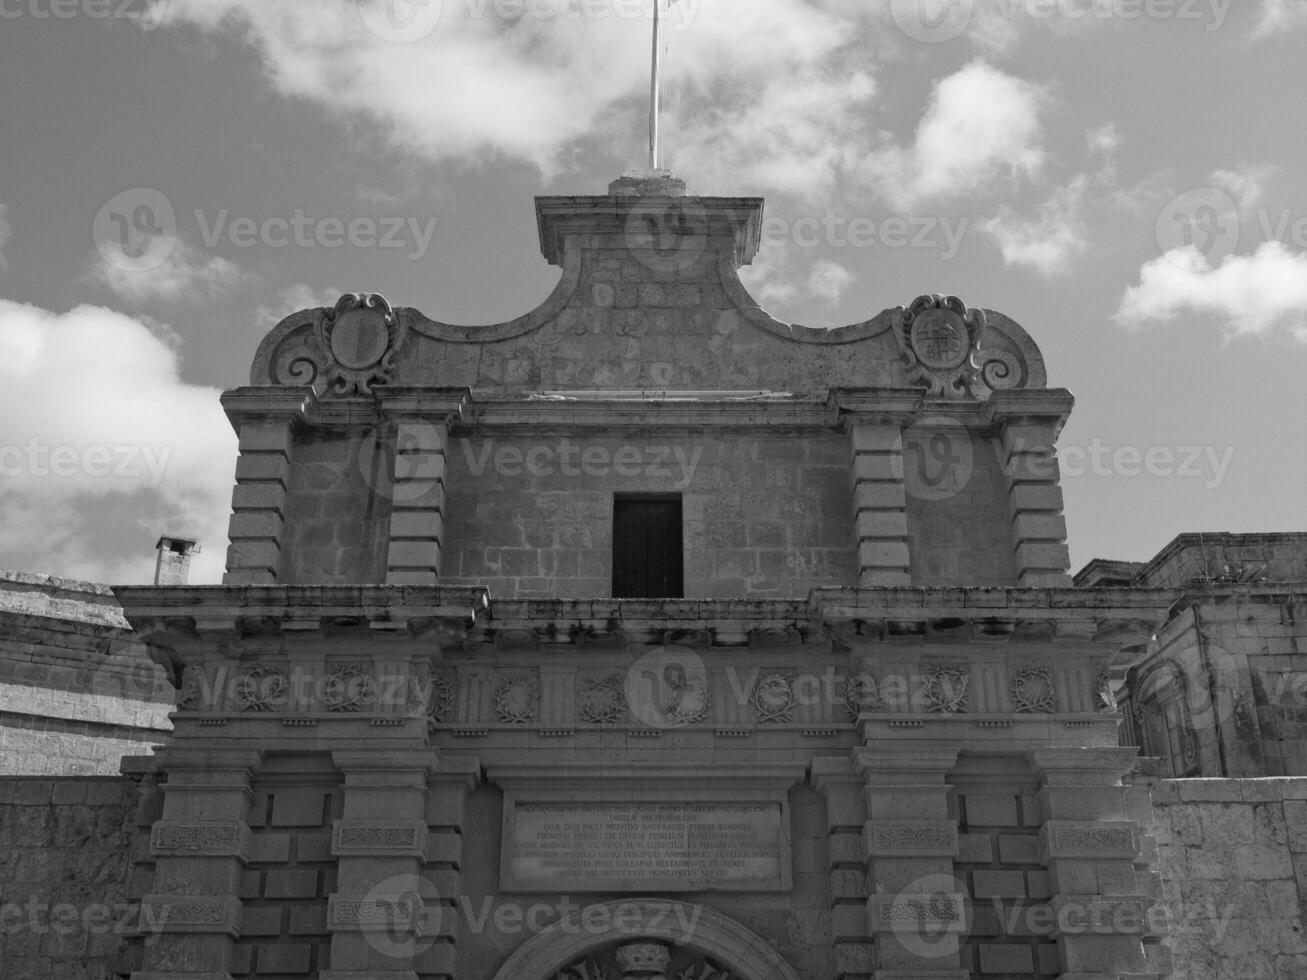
(186,274)
(1279,16)
(1061,230)
(774,282)
(1246,183)
(775,90)
(982,127)
(292,300)
(6,232)
(103,448)
(827,281)
(1252,295)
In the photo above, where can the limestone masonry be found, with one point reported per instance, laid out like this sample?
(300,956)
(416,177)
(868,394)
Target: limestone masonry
(645,637)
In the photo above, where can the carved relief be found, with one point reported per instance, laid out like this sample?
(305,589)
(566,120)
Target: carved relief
(192,689)
(941,908)
(210,838)
(887,838)
(773,699)
(947,348)
(351,348)
(602,701)
(261,688)
(688,698)
(944,688)
(861,693)
(347,687)
(439,698)
(1032,691)
(1105,693)
(516,699)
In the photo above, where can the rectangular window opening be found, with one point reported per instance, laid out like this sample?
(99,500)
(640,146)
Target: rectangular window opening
(647,550)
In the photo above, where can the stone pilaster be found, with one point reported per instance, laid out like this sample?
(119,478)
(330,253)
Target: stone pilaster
(874,420)
(917,908)
(1027,424)
(449,786)
(265,421)
(377,914)
(193,916)
(1100,898)
(417,518)
(841,785)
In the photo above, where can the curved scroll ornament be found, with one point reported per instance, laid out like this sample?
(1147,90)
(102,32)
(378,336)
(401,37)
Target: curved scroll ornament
(955,351)
(1032,691)
(348,687)
(944,688)
(350,348)
(261,688)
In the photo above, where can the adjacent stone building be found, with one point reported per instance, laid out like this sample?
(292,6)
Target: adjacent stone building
(646,636)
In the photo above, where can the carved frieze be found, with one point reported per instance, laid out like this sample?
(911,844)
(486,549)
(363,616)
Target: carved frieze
(861,693)
(261,687)
(347,687)
(181,839)
(945,687)
(1076,839)
(1032,691)
(602,701)
(190,913)
(773,699)
(911,838)
(517,699)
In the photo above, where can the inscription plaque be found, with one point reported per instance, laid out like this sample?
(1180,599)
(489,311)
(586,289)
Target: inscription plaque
(601,846)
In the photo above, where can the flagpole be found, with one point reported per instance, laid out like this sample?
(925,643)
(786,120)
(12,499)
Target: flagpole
(655,85)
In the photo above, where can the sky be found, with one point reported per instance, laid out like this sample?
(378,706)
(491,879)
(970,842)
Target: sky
(1127,179)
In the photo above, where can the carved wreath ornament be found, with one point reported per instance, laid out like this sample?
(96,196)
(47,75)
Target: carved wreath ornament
(602,701)
(773,698)
(347,687)
(1032,691)
(944,688)
(515,700)
(261,688)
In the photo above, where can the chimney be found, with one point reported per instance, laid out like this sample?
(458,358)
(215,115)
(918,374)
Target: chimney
(174,564)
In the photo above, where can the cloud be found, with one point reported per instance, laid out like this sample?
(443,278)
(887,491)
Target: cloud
(773,281)
(186,274)
(1279,16)
(1062,228)
(1251,295)
(6,232)
(292,300)
(775,92)
(982,127)
(103,448)
(1246,183)
(827,281)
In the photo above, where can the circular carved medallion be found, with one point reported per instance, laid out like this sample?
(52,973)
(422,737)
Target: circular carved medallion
(360,337)
(939,337)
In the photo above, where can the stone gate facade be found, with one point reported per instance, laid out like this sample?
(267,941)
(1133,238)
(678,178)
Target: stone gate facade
(875,734)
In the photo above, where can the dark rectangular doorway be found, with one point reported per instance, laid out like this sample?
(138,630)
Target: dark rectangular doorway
(647,559)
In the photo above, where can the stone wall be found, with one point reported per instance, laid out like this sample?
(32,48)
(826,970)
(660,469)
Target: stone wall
(77,689)
(66,852)
(1232,854)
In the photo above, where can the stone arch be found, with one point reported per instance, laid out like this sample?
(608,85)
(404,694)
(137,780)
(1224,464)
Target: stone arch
(743,952)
